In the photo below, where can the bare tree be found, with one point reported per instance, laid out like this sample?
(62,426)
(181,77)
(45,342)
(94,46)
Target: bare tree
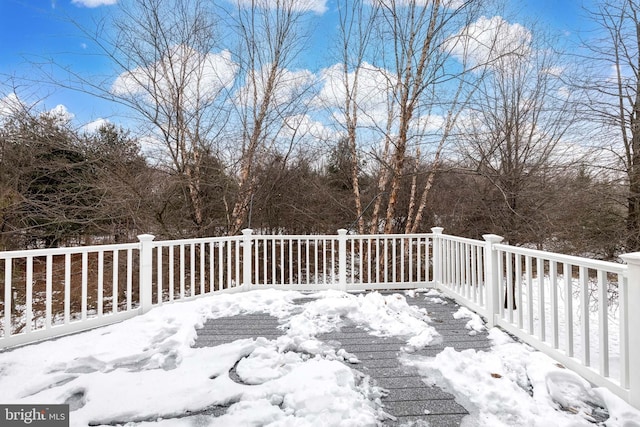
(414,35)
(175,82)
(357,19)
(166,72)
(270,35)
(612,65)
(514,131)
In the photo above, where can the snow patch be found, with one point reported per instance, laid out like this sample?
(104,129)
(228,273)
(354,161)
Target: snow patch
(475,324)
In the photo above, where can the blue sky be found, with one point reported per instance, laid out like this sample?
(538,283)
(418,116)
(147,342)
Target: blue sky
(34,30)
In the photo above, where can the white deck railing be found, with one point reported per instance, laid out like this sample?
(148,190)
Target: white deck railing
(576,310)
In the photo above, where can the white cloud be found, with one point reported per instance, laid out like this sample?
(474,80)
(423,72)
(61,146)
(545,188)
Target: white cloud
(60,114)
(303,125)
(9,105)
(95,125)
(554,71)
(449,4)
(372,94)
(94,3)
(489,40)
(431,123)
(206,74)
(287,86)
(316,6)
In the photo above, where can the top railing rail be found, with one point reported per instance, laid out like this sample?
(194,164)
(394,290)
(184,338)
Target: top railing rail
(562,258)
(67,250)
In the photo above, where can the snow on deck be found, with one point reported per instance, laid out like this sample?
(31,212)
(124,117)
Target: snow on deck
(407,398)
(284,358)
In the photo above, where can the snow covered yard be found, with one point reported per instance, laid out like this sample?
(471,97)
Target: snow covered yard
(145,371)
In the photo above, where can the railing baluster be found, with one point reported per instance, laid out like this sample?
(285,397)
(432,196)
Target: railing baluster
(307,257)
(67,289)
(182,271)
(171,264)
(420,265)
(369,257)
(394,261)
(541,299)
(509,294)
(529,277)
(129,278)
(603,324)
(468,276)
(353,260)
(256,259)
(273,258)
(264,260)
(451,270)
(281,263)
(48,291)
(212,264)
(237,263)
(100,283)
(445,260)
(192,269)
(159,298)
(114,280)
(584,311)
(410,274)
(501,287)
(85,267)
(481,275)
(8,297)
(299,260)
(29,296)
(553,299)
(221,284)
(405,244)
(385,260)
(462,266)
(202,247)
(290,261)
(567,271)
(456,270)
(520,310)
(379,260)
(472,274)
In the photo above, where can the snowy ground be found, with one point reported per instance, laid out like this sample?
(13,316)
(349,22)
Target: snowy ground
(145,372)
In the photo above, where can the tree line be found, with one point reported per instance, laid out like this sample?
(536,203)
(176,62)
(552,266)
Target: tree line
(432,114)
(63,187)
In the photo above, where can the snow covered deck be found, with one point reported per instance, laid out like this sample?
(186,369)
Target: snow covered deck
(409,398)
(579,312)
(285,358)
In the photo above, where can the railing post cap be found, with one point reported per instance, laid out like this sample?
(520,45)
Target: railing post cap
(631,258)
(437,230)
(342,231)
(247,231)
(146,237)
(492,238)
